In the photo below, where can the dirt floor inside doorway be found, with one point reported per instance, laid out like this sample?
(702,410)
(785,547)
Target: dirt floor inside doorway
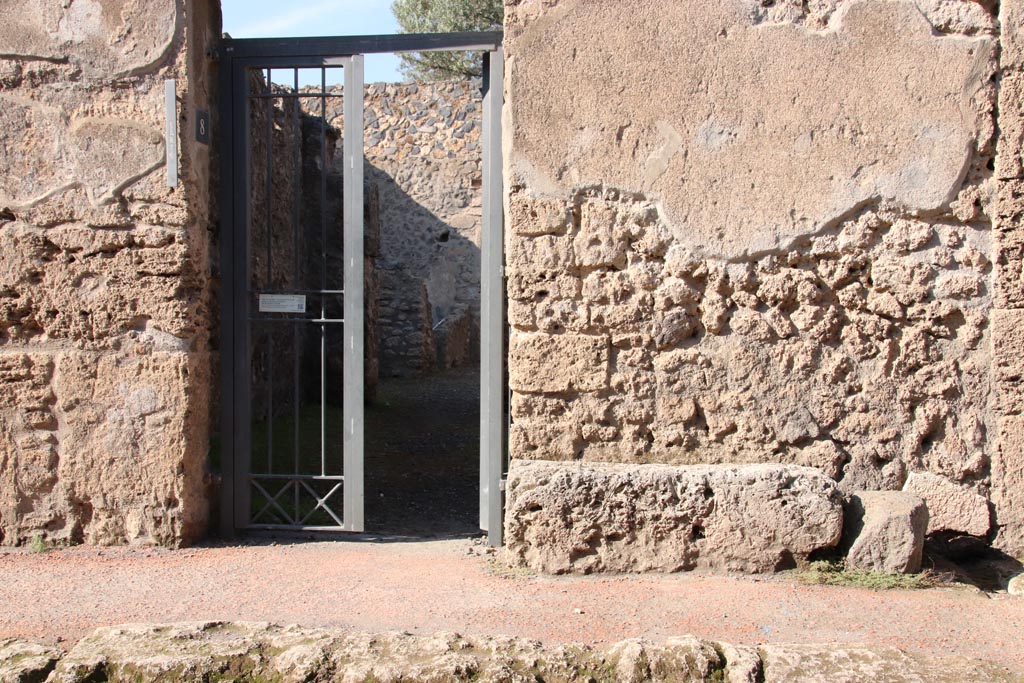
(422,456)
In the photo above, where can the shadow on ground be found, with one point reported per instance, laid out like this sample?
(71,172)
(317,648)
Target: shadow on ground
(422,456)
(970,560)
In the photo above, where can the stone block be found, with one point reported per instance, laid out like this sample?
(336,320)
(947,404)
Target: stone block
(1008,484)
(1009,160)
(531,216)
(132,446)
(554,364)
(832,663)
(1008,281)
(197,651)
(887,530)
(203,651)
(545,252)
(1008,231)
(1011,37)
(600,242)
(544,441)
(1008,360)
(533,284)
(951,507)
(25,381)
(31,136)
(24,662)
(555,316)
(45,157)
(1009,210)
(109,154)
(89,285)
(581,518)
(127,462)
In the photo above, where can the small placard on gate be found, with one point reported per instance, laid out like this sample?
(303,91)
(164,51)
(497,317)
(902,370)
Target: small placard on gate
(282,303)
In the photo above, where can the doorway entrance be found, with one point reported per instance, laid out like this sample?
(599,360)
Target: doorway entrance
(293,278)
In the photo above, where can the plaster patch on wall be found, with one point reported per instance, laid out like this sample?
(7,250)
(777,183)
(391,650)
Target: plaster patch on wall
(878,108)
(31,153)
(659,160)
(111,154)
(105,39)
(44,157)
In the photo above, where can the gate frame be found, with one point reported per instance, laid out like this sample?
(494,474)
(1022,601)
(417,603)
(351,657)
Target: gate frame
(235,57)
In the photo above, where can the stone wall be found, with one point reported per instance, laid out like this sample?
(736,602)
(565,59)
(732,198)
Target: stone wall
(786,234)
(423,154)
(104,298)
(423,144)
(1008,313)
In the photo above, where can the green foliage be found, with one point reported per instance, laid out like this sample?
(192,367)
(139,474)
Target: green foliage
(38,544)
(836,574)
(445,16)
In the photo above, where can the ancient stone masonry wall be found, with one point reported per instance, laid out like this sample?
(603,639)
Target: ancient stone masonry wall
(770,239)
(1008,313)
(103,272)
(422,146)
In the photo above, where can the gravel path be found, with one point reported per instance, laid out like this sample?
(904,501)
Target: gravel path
(426,586)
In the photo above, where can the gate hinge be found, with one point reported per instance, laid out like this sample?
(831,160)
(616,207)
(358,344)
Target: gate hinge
(503,484)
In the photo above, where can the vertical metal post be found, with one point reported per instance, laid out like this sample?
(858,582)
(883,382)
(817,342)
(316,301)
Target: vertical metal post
(241,282)
(323,270)
(296,279)
(225,125)
(492,297)
(268,285)
(353,325)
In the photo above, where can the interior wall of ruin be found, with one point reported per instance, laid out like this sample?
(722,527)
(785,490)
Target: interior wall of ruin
(104,272)
(423,154)
(786,234)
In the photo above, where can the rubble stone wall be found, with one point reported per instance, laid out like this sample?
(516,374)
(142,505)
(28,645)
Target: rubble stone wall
(104,297)
(422,146)
(788,234)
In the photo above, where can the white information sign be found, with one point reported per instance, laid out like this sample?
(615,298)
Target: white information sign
(282,303)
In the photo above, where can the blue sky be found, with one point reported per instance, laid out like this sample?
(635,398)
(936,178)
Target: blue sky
(286,19)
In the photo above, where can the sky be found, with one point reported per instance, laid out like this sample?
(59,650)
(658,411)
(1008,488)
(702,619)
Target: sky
(287,19)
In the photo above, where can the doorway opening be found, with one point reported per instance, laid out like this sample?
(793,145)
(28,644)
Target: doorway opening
(316,437)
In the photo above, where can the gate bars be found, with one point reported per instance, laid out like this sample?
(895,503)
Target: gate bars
(237,56)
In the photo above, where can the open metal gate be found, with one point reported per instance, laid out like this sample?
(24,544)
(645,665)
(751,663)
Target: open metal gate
(292,279)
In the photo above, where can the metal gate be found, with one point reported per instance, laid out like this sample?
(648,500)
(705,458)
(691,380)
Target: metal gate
(292,281)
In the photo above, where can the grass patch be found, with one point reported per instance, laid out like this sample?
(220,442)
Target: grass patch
(38,544)
(838,574)
(503,570)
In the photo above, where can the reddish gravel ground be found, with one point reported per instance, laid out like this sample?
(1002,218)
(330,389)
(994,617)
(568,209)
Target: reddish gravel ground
(453,585)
